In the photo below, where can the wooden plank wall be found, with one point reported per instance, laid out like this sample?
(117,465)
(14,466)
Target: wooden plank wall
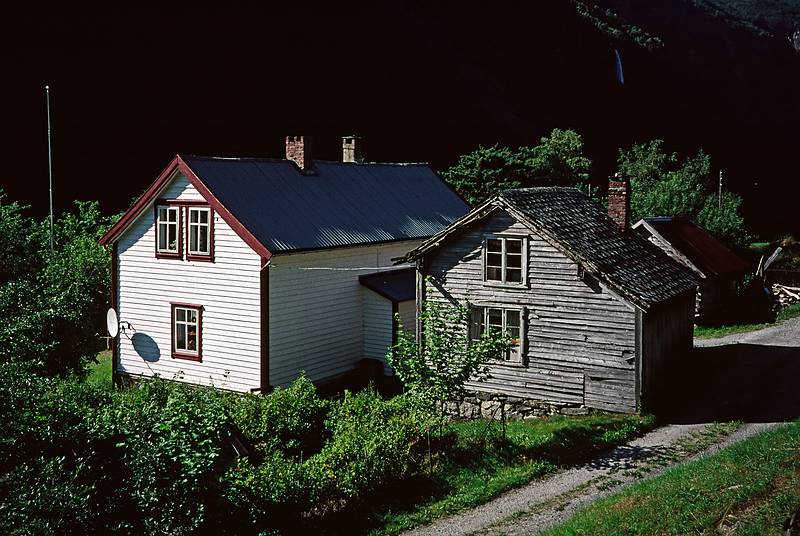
(580,343)
(667,341)
(228,290)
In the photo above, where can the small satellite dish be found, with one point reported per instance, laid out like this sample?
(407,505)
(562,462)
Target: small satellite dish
(112,322)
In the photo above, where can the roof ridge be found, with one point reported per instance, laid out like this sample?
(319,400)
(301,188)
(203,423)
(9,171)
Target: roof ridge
(282,160)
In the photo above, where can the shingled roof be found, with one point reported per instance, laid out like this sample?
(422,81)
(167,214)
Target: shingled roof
(629,264)
(707,254)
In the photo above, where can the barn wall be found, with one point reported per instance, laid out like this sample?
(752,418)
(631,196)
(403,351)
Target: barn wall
(377,325)
(228,290)
(316,309)
(667,338)
(580,343)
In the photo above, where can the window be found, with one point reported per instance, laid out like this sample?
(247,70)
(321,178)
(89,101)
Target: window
(199,222)
(186,326)
(503,259)
(508,321)
(168,240)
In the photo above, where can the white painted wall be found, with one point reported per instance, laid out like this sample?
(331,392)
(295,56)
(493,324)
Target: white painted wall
(316,309)
(228,289)
(377,315)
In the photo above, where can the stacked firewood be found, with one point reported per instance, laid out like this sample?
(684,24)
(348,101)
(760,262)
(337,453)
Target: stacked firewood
(785,295)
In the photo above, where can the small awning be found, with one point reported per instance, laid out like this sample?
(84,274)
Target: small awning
(394,285)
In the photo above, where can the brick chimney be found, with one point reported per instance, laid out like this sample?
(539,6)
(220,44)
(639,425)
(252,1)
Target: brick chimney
(298,149)
(619,201)
(352,149)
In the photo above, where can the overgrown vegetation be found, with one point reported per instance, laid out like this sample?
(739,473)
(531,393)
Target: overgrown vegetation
(749,488)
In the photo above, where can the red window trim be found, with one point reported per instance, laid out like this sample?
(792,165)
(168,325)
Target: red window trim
(195,256)
(163,254)
(181,354)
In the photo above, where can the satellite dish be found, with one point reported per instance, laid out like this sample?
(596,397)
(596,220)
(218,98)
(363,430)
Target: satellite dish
(112,322)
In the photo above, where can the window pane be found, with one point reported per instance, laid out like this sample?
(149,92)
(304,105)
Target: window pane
(162,214)
(513,246)
(203,239)
(514,275)
(496,317)
(192,238)
(193,216)
(173,215)
(180,336)
(512,318)
(191,343)
(494,259)
(204,216)
(173,237)
(192,315)
(514,261)
(494,245)
(495,274)
(162,236)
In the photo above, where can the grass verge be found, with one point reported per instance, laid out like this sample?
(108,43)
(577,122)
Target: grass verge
(708,332)
(476,464)
(749,488)
(99,372)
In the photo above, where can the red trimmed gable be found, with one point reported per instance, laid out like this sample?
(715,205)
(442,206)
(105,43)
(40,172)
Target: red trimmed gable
(151,194)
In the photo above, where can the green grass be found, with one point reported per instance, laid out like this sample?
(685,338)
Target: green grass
(478,465)
(712,332)
(99,372)
(760,247)
(747,489)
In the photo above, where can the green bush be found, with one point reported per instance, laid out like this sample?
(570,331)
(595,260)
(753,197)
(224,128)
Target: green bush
(290,420)
(372,442)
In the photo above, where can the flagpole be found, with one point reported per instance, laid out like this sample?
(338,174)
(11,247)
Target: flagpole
(49,164)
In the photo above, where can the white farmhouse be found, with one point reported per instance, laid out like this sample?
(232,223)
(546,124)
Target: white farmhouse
(243,272)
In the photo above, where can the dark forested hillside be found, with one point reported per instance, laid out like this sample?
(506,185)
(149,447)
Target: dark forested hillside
(421,80)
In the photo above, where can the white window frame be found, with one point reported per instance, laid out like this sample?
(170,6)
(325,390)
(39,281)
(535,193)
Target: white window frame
(166,224)
(504,260)
(199,226)
(480,319)
(198,315)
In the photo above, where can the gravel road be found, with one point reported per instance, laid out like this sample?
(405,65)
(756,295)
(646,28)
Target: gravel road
(751,377)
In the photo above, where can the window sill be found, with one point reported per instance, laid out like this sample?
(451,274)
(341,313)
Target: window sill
(201,258)
(189,357)
(500,284)
(174,256)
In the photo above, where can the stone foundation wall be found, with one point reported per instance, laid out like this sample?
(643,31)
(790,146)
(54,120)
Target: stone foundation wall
(498,406)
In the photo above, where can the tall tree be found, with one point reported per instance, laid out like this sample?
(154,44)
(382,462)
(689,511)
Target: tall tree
(664,185)
(558,160)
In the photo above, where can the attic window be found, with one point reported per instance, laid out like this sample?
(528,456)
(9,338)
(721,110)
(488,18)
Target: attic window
(168,227)
(504,259)
(200,235)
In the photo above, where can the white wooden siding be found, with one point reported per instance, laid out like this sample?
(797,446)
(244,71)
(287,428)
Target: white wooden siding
(575,336)
(316,309)
(377,315)
(228,289)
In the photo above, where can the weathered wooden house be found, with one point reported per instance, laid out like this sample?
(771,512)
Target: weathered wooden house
(242,272)
(599,315)
(718,268)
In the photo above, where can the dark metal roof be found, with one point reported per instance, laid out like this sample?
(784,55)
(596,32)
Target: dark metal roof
(628,263)
(707,253)
(394,285)
(339,204)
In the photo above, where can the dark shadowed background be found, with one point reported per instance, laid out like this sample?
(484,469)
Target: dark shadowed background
(132,86)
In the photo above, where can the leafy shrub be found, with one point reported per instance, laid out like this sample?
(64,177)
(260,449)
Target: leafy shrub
(372,441)
(290,420)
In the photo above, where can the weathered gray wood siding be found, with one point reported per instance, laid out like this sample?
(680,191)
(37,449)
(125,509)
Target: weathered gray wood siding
(316,309)
(580,344)
(667,333)
(228,290)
